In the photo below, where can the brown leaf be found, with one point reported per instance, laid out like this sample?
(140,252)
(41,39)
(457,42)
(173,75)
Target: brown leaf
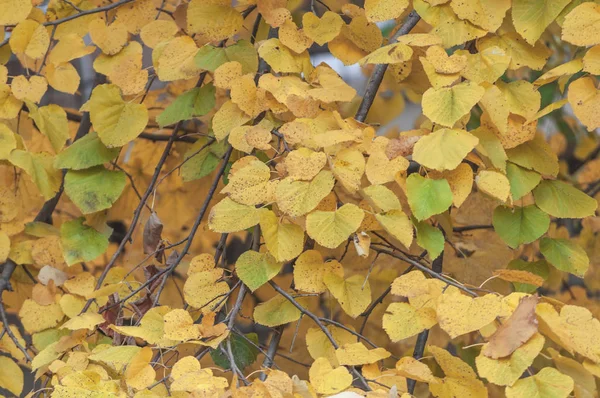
(152,233)
(514,275)
(513,333)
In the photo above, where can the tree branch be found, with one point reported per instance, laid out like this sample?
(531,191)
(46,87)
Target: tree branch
(7,270)
(377,75)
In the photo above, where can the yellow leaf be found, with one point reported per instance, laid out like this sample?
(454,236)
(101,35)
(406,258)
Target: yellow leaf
(249,182)
(140,374)
(324,29)
(31,90)
(87,320)
(493,183)
(348,168)
(228,117)
(116,357)
(402,320)
(174,59)
(548,382)
(227,74)
(447,105)
(201,289)
(585,384)
(284,241)
(124,68)
(506,371)
(574,328)
(397,224)
(9,105)
(213,19)
(520,52)
(4,246)
(319,345)
(585,99)
(310,269)
(8,142)
(447,25)
(523,97)
(63,77)
(110,39)
(331,228)
(487,65)
(136,15)
(459,381)
(230,216)
(581,26)
(304,164)
(357,354)
(11,376)
(484,13)
(277,311)
(391,54)
(294,38)
(13,12)
(458,314)
(353,294)
(444,149)
(36,318)
(158,31)
(356,40)
(380,169)
(40,167)
(329,86)
(281,59)
(151,328)
(531,18)
(383,10)
(413,369)
(29,38)
(327,380)
(179,325)
(591,60)
(51,120)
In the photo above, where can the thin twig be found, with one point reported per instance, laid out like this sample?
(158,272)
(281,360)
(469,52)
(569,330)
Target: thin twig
(323,328)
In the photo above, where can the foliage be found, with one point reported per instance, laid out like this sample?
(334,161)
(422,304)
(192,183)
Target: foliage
(190,207)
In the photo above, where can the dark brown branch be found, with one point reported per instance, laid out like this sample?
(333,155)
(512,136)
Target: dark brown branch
(271,351)
(7,270)
(471,228)
(377,75)
(436,266)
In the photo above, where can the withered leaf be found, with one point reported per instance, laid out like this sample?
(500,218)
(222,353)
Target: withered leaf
(152,233)
(513,333)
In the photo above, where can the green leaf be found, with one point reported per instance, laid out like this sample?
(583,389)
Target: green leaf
(565,255)
(428,197)
(41,229)
(535,155)
(211,57)
(244,353)
(84,153)
(255,269)
(429,238)
(81,242)
(561,200)
(522,181)
(8,141)
(52,121)
(202,160)
(39,166)
(540,268)
(195,102)
(94,189)
(520,224)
